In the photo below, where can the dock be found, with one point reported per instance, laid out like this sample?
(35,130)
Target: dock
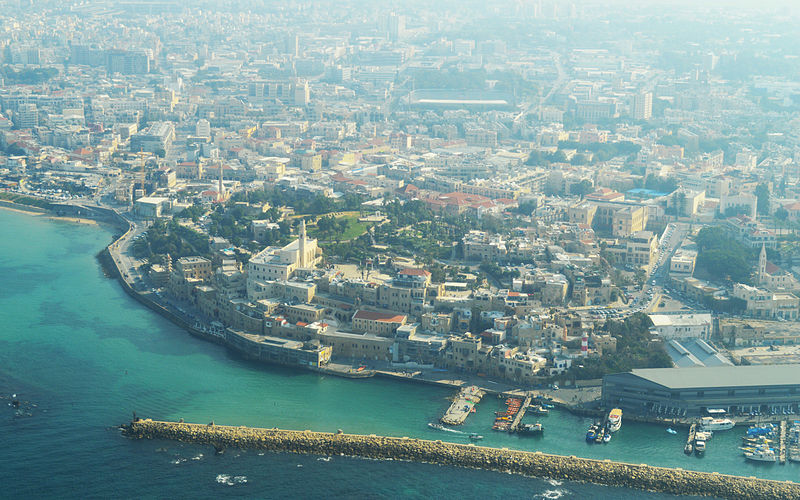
(690,439)
(463,404)
(782,443)
(521,413)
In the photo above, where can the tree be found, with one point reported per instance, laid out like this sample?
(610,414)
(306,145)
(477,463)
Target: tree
(583,188)
(781,214)
(762,194)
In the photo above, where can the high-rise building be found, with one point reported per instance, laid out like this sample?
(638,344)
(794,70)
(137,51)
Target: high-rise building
(203,128)
(302,94)
(642,108)
(292,45)
(395,26)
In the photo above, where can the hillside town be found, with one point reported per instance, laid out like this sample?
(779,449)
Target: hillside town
(379,191)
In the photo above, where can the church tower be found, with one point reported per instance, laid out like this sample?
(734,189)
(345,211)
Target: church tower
(762,265)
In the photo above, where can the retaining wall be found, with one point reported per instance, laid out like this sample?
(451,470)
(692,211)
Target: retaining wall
(674,481)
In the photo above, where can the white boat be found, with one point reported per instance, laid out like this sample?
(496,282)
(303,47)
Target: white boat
(699,447)
(761,455)
(671,430)
(615,420)
(716,424)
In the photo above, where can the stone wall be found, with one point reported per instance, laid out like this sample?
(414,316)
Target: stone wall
(674,481)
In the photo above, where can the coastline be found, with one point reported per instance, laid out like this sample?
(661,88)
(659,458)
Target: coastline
(532,464)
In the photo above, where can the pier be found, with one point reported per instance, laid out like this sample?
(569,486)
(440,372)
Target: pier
(520,414)
(533,464)
(782,443)
(463,404)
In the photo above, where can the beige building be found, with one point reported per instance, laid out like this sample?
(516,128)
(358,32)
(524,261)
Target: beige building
(279,264)
(378,323)
(767,305)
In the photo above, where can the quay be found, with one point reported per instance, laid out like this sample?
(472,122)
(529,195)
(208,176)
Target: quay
(521,413)
(463,405)
(533,464)
(782,443)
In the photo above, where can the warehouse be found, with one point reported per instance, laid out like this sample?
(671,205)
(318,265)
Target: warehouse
(677,392)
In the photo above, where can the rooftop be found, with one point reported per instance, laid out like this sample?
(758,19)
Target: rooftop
(721,376)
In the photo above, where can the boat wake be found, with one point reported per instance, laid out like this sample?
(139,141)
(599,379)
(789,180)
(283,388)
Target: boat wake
(553,494)
(443,428)
(228,480)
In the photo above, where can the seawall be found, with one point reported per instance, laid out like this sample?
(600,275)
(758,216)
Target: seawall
(644,477)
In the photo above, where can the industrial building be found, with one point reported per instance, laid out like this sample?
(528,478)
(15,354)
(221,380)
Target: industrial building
(674,392)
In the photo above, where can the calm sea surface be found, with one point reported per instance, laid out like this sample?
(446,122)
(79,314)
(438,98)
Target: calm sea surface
(82,356)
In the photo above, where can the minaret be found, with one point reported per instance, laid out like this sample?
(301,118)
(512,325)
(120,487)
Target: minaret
(302,244)
(221,188)
(762,265)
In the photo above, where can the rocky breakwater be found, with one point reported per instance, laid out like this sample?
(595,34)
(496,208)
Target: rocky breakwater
(674,481)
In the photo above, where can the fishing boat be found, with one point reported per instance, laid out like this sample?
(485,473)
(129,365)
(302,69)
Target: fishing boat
(615,419)
(716,424)
(761,455)
(531,429)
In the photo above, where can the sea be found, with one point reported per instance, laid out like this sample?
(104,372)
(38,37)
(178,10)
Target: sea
(81,357)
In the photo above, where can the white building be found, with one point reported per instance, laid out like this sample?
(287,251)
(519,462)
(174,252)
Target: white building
(682,326)
(279,264)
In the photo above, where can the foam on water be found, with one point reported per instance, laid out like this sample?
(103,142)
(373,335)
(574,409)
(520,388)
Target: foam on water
(229,480)
(553,494)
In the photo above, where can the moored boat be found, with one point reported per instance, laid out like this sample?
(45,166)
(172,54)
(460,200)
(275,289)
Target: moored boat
(688,449)
(700,447)
(591,434)
(615,419)
(716,424)
(531,429)
(761,455)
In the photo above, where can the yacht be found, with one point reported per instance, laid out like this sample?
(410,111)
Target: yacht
(699,447)
(716,424)
(615,419)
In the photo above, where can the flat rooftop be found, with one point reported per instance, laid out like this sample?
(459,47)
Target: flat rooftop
(722,376)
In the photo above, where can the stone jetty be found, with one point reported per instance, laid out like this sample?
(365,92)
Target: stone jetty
(536,464)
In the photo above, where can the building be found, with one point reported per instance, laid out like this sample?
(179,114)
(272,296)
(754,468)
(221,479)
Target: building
(279,264)
(197,268)
(682,262)
(378,323)
(767,305)
(152,207)
(157,138)
(682,326)
(642,106)
(693,391)
(278,350)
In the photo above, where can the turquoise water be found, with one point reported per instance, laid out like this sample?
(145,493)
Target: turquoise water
(83,356)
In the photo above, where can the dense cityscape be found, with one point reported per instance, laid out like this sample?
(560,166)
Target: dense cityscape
(594,200)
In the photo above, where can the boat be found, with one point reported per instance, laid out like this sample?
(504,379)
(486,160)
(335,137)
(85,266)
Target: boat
(475,436)
(599,437)
(761,455)
(699,446)
(531,429)
(688,448)
(615,419)
(716,424)
(591,434)
(538,410)
(703,435)
(670,430)
(547,406)
(606,437)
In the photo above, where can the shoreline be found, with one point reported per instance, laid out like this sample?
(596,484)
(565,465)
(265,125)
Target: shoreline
(532,464)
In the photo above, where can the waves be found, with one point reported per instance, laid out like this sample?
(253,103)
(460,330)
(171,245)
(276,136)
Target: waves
(229,480)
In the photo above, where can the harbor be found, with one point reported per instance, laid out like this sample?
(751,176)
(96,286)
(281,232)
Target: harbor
(536,464)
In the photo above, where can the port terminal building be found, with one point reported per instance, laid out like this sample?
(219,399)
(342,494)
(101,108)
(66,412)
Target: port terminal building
(679,392)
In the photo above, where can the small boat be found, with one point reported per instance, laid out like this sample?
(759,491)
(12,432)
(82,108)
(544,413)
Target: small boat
(591,434)
(475,436)
(700,447)
(600,434)
(547,406)
(670,430)
(688,449)
(606,437)
(538,410)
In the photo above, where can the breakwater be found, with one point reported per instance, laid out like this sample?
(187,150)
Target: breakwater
(673,481)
